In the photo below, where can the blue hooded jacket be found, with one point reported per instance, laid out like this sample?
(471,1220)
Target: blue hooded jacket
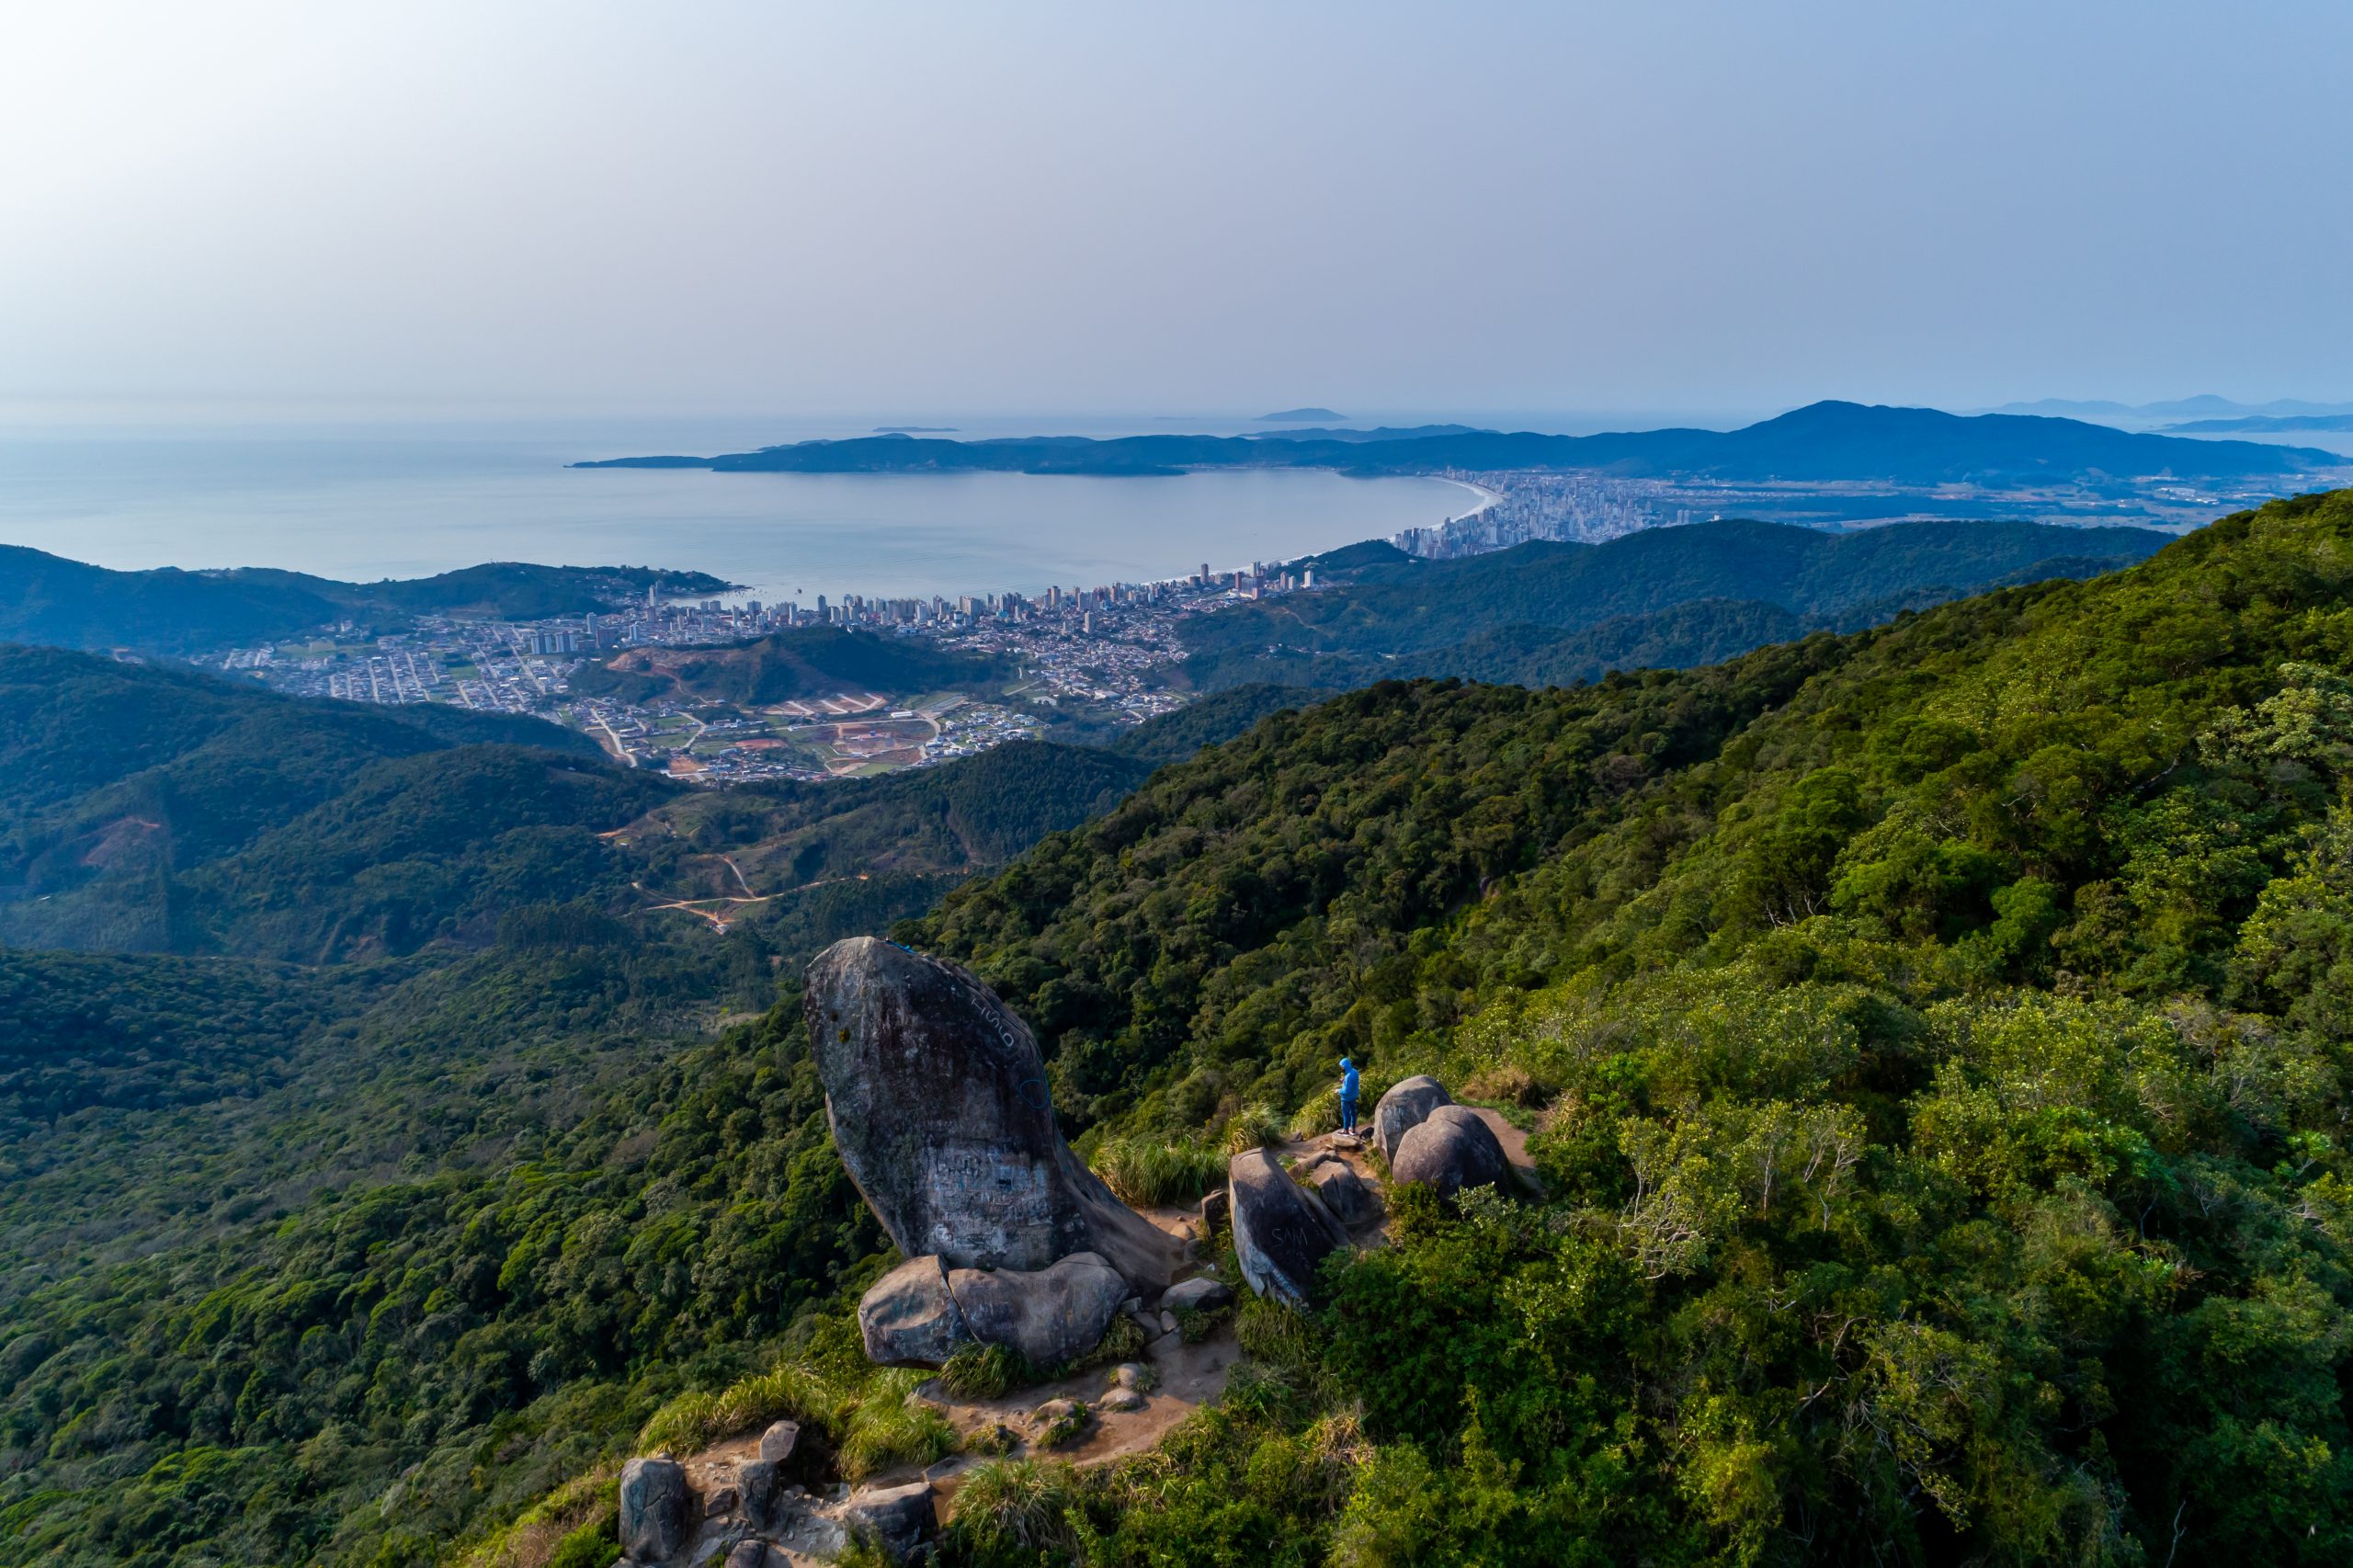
(1347,1079)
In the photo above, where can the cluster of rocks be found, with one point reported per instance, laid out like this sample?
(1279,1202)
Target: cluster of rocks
(750,1517)
(1286,1223)
(937,1098)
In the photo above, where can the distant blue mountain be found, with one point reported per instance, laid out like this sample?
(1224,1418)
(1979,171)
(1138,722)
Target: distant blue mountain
(1299,416)
(1821,442)
(2265,423)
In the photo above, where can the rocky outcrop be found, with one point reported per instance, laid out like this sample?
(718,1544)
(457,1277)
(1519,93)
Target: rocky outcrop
(899,1519)
(910,1318)
(654,1517)
(1281,1231)
(760,1490)
(1343,1191)
(778,1441)
(1049,1315)
(1451,1149)
(1199,1294)
(1403,1109)
(940,1111)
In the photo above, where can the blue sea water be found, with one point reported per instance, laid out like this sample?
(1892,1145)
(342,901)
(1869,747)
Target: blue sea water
(366,502)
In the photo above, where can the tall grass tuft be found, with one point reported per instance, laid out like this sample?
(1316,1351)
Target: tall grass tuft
(1017,1506)
(1148,1172)
(985,1371)
(891,1427)
(1318,1116)
(692,1421)
(1254,1127)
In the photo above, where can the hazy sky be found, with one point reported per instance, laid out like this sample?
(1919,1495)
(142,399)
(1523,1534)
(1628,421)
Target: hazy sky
(1175,207)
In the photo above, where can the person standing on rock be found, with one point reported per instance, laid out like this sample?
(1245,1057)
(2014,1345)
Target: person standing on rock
(1349,1083)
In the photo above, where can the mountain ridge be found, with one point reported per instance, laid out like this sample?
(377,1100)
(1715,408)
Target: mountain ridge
(1824,441)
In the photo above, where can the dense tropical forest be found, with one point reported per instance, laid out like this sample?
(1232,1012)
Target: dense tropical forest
(1932,1037)
(1554,613)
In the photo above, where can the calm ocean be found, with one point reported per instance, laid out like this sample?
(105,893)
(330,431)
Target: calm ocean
(363,502)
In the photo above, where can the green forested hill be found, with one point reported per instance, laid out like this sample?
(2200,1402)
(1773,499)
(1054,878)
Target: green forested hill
(1933,1039)
(51,600)
(1942,1031)
(1555,613)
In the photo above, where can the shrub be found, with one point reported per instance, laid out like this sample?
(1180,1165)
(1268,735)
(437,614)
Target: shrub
(1123,1340)
(1149,1173)
(1065,1428)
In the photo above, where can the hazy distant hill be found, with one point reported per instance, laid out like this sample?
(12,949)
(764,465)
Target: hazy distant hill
(1824,441)
(49,599)
(1298,415)
(2265,423)
(1553,613)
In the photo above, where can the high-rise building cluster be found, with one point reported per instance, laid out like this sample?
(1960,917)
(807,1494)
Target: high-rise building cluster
(1534,505)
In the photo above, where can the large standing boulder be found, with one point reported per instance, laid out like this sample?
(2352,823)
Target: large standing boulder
(1403,1109)
(1281,1231)
(896,1519)
(654,1514)
(1051,1315)
(910,1318)
(941,1112)
(1453,1148)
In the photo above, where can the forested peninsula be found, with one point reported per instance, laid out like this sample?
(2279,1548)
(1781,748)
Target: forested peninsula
(1821,442)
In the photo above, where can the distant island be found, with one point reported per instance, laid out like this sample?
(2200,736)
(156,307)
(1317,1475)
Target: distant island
(1823,442)
(915,429)
(1296,416)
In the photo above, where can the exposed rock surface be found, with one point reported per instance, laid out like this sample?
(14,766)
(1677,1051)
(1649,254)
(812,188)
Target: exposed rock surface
(1199,1294)
(1400,1109)
(1453,1148)
(940,1109)
(1049,1315)
(909,1317)
(1344,1192)
(654,1511)
(1280,1230)
(760,1490)
(922,1313)
(897,1518)
(777,1442)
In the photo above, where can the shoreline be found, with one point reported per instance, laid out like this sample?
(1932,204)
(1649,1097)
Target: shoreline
(1487,498)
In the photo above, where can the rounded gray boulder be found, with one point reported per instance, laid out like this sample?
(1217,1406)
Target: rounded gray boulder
(1048,1315)
(1451,1149)
(910,1317)
(898,1519)
(1403,1109)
